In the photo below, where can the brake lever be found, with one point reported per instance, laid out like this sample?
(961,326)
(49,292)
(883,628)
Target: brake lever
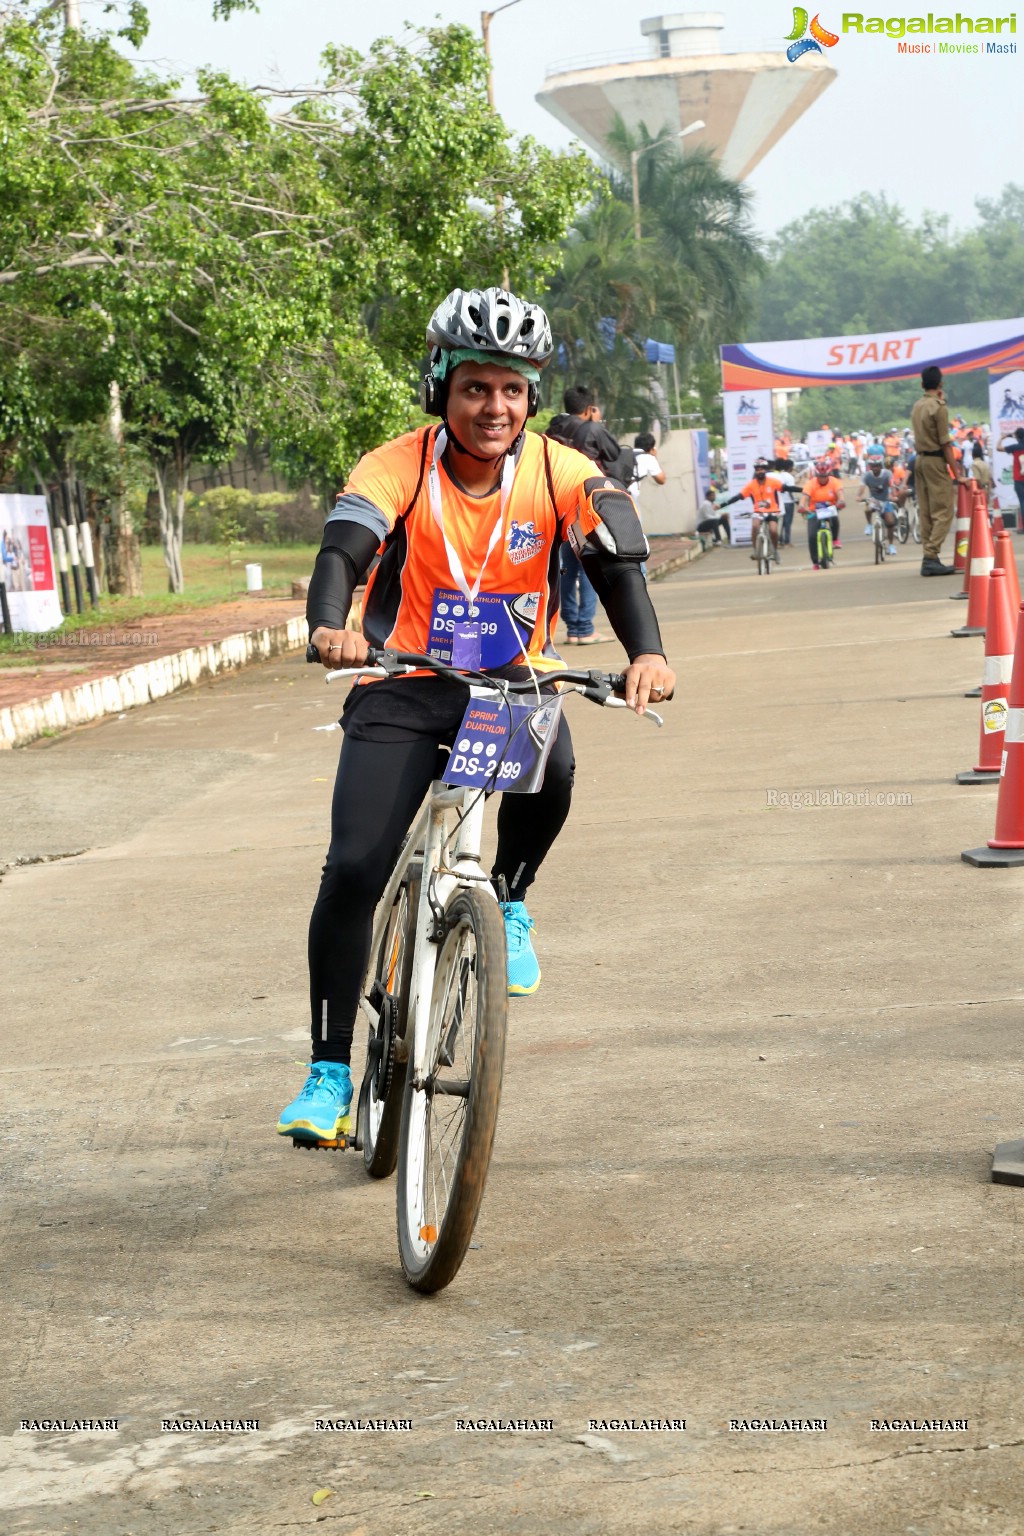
(600,693)
(648,714)
(337,672)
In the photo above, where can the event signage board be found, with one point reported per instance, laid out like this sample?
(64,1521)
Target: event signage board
(749,435)
(28,564)
(870,359)
(1006,413)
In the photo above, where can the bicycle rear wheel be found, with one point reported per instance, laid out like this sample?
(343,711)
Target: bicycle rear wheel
(448,1124)
(381,1093)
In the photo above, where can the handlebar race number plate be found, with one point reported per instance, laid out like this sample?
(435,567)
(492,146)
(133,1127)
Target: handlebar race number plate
(504,746)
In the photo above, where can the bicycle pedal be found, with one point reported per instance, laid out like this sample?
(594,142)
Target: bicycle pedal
(339,1144)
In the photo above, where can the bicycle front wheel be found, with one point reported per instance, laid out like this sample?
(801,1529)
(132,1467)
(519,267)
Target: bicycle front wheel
(448,1122)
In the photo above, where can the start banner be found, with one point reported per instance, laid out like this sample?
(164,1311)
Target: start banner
(28,565)
(997,345)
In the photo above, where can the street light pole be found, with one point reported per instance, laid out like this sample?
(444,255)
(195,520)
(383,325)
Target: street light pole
(634,156)
(486,17)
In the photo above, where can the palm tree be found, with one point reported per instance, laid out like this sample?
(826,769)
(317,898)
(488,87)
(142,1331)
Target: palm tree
(602,304)
(687,281)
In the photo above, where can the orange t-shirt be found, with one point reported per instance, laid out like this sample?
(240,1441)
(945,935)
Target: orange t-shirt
(764,496)
(822,495)
(412,590)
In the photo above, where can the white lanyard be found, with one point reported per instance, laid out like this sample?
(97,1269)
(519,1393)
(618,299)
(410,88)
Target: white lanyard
(454,562)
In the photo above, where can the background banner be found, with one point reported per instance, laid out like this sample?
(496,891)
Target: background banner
(29,568)
(1006,413)
(749,435)
(701,461)
(992,344)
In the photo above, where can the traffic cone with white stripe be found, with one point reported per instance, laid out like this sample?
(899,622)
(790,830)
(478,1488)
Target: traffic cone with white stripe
(1005,561)
(982,559)
(962,532)
(995,683)
(1006,849)
(962,540)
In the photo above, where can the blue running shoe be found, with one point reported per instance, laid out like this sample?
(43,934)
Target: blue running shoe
(320,1113)
(523,969)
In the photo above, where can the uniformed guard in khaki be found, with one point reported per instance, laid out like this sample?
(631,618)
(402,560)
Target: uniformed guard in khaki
(936,490)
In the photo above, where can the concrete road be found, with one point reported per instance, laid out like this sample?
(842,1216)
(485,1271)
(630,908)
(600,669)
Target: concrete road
(742,1167)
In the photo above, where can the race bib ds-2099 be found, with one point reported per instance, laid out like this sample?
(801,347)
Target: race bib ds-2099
(504,746)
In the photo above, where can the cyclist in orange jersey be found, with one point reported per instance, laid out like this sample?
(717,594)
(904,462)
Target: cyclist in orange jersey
(764,491)
(467,517)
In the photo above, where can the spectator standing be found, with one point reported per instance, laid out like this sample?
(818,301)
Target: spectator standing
(645,465)
(1016,448)
(981,472)
(784,470)
(581,428)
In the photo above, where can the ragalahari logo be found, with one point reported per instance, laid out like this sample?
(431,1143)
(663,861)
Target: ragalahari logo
(800,43)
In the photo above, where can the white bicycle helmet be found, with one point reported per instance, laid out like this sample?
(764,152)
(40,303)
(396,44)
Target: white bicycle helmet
(491,320)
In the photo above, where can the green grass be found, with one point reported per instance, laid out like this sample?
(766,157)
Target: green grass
(208,580)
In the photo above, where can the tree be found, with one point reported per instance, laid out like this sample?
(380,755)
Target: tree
(240,259)
(687,281)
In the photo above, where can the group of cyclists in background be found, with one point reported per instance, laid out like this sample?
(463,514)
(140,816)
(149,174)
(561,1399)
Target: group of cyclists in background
(795,481)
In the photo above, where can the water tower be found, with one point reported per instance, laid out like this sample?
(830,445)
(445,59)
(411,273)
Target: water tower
(747,101)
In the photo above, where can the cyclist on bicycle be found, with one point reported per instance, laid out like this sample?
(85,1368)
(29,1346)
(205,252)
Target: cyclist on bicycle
(765,491)
(821,503)
(467,517)
(877,485)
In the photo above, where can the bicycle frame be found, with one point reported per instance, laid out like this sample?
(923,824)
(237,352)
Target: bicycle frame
(427,840)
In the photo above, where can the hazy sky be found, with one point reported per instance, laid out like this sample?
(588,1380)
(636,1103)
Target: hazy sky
(931,132)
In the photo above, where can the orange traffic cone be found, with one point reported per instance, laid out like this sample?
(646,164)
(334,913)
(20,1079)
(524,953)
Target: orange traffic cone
(962,536)
(981,562)
(962,528)
(995,683)
(1005,561)
(1006,848)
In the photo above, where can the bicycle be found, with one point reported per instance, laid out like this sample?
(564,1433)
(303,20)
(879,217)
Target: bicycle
(821,540)
(765,551)
(435,993)
(912,518)
(879,532)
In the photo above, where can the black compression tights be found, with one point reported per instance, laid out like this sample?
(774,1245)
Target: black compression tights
(379,789)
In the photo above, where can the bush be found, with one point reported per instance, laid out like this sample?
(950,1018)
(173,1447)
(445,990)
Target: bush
(268,517)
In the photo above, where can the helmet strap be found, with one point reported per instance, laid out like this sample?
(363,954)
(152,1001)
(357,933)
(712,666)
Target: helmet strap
(513,447)
(461,446)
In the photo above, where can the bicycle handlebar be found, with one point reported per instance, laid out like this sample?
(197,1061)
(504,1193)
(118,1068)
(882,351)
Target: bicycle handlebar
(600,687)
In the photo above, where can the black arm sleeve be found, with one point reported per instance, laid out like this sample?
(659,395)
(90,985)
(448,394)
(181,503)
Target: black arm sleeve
(625,599)
(341,564)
